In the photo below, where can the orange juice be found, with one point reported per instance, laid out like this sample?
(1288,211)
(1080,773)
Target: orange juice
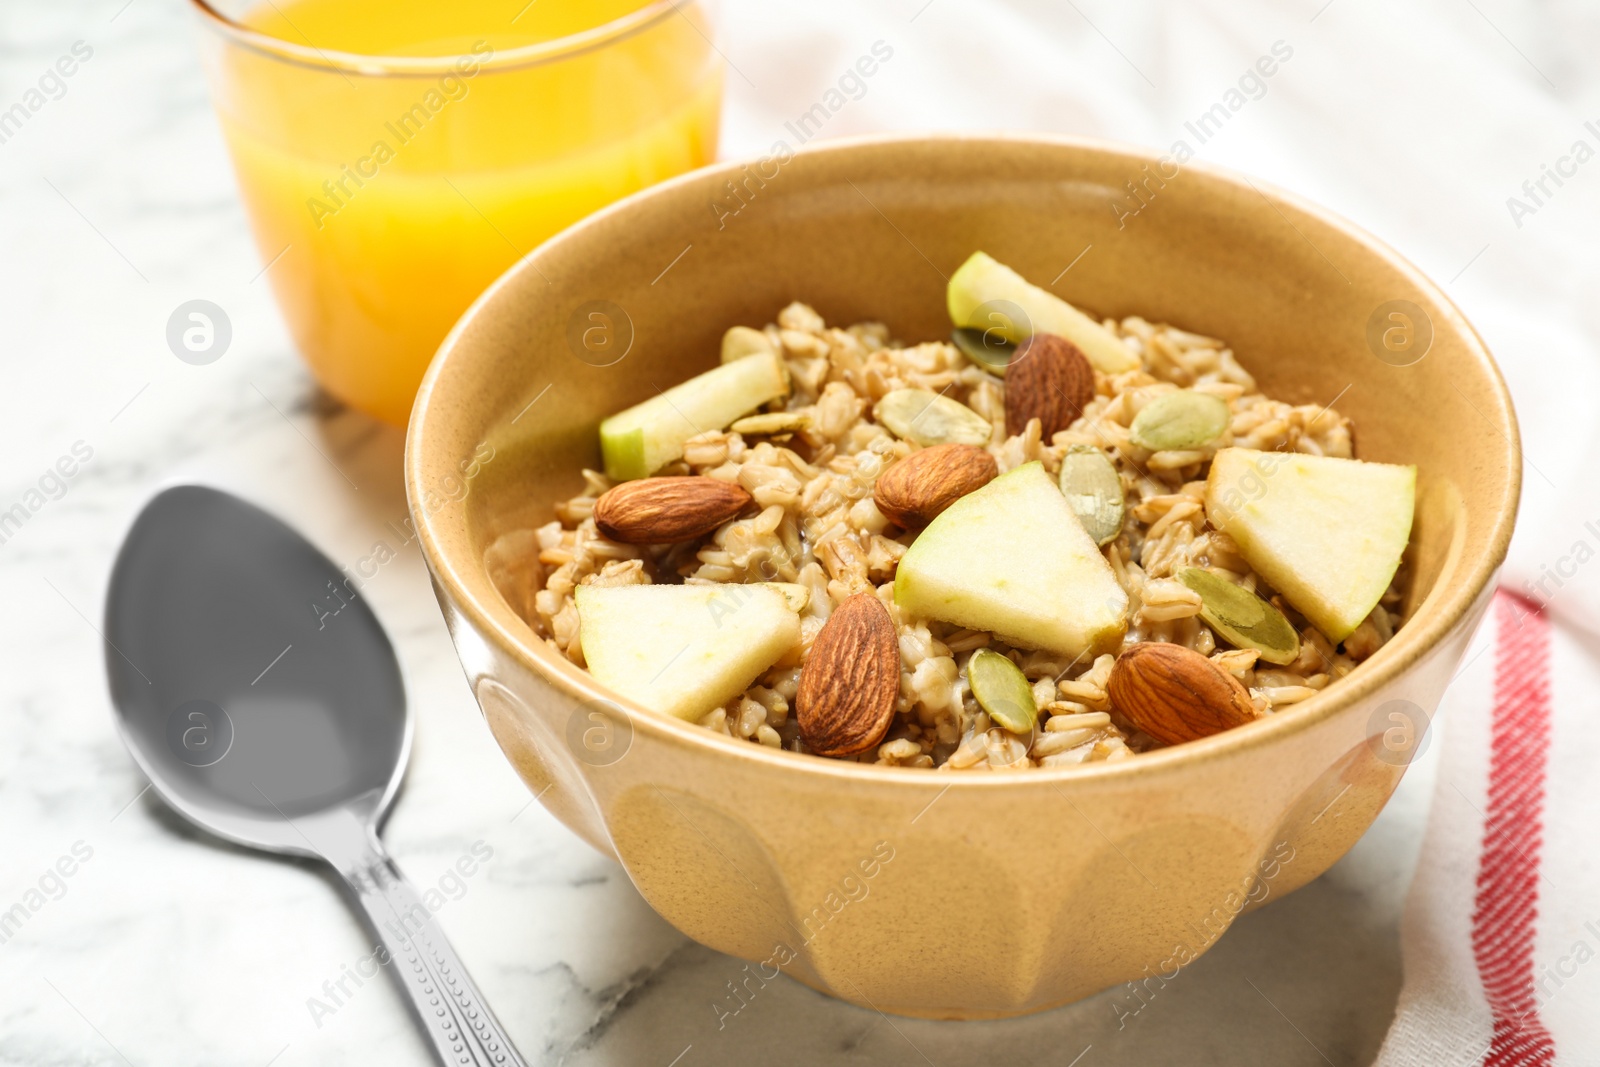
(386,193)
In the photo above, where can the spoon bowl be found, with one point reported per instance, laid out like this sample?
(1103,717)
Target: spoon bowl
(262,698)
(252,685)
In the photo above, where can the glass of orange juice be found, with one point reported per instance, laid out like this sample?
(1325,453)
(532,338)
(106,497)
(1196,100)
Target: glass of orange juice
(395,156)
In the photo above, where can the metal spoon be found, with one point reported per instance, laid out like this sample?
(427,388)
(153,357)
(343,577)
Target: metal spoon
(260,695)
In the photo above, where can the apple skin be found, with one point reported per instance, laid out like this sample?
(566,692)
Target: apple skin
(982,279)
(1327,533)
(646,437)
(683,650)
(1012,559)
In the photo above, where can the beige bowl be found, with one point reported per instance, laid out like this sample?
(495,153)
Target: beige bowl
(921,893)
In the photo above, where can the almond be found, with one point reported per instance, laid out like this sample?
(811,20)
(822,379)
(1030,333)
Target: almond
(1175,694)
(1048,379)
(658,511)
(926,482)
(851,679)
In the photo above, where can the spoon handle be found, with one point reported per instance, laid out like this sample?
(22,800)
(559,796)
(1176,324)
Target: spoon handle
(446,1002)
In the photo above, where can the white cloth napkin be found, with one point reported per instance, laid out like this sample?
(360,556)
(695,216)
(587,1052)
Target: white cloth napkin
(1503,923)
(1419,121)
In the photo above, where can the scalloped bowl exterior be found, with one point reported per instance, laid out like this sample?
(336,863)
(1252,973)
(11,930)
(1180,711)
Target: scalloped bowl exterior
(951,895)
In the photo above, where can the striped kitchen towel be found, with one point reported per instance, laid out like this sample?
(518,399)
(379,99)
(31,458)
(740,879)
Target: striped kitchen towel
(1501,935)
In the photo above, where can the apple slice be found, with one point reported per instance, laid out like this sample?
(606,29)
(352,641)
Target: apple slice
(1013,559)
(1326,533)
(683,650)
(641,440)
(982,279)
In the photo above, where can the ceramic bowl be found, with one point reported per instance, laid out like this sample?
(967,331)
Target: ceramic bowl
(924,893)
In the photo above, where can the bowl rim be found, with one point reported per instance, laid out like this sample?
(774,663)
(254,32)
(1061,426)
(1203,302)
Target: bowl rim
(1412,643)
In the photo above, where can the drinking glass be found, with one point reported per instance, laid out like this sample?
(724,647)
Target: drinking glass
(395,156)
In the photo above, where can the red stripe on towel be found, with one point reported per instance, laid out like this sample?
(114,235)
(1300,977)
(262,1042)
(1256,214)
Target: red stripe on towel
(1506,908)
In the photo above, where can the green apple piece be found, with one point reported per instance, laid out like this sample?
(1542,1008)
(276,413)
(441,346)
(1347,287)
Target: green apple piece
(640,441)
(1326,533)
(983,279)
(1013,559)
(683,650)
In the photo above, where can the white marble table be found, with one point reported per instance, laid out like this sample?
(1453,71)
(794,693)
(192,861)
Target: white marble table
(117,204)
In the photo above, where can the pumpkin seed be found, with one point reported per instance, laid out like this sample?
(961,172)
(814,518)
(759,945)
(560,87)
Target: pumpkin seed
(1241,618)
(1001,689)
(742,341)
(987,348)
(930,419)
(1181,420)
(1093,491)
(771,422)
